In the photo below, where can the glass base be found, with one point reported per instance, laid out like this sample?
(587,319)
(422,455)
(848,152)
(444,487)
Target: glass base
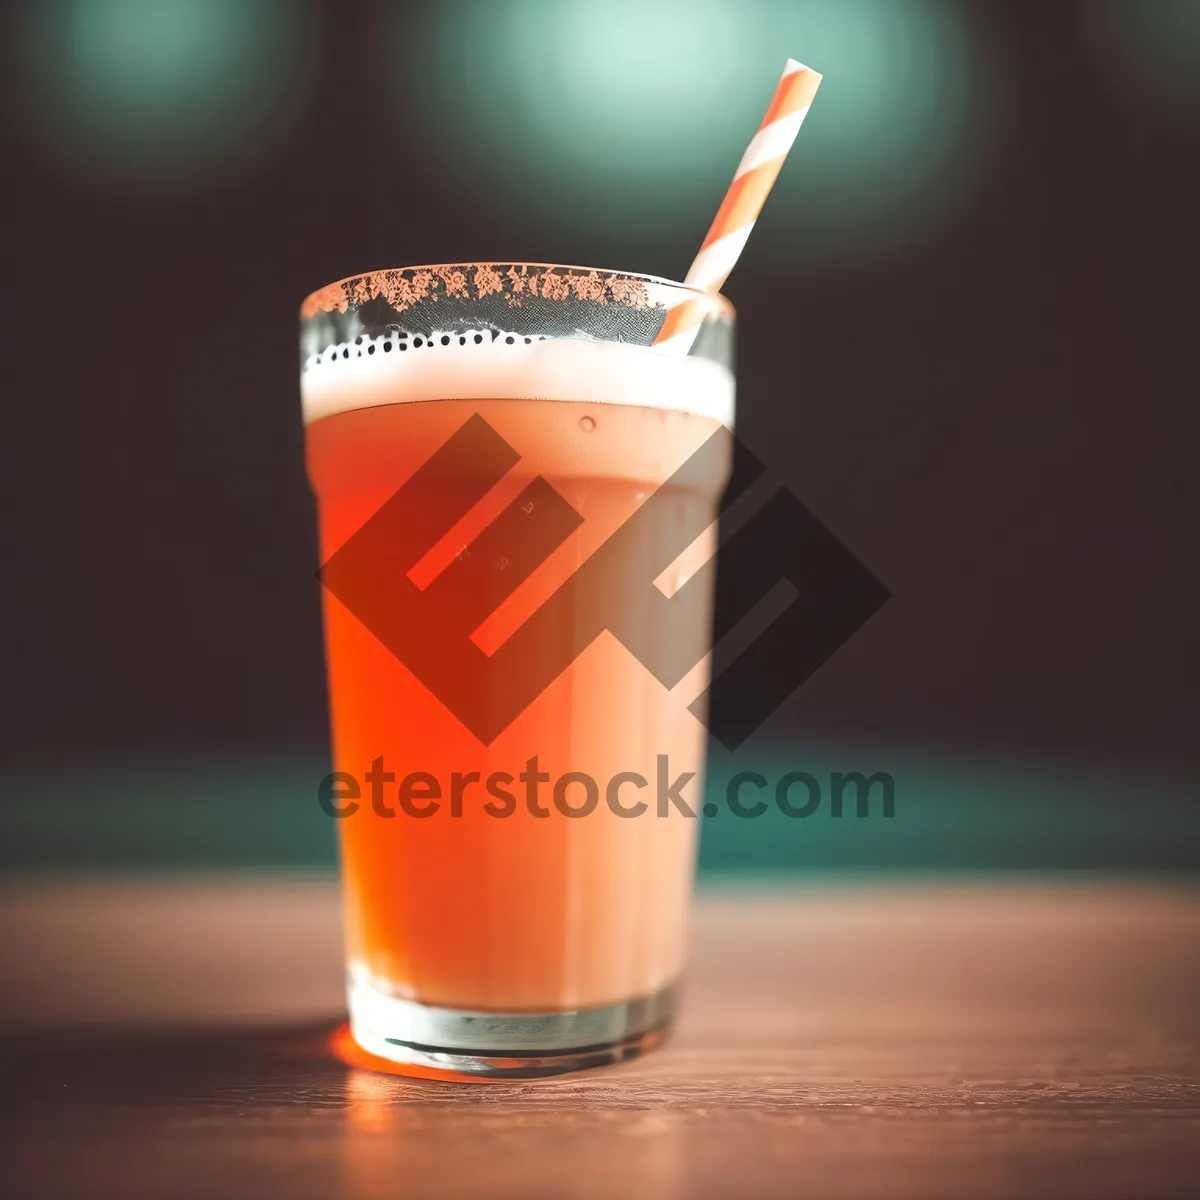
(497,1045)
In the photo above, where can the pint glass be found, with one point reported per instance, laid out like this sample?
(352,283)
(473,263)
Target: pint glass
(517,494)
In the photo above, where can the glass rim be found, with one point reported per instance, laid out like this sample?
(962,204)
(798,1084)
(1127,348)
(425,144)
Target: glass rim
(314,302)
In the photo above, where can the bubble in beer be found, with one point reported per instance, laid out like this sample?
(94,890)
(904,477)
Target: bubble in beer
(363,345)
(489,357)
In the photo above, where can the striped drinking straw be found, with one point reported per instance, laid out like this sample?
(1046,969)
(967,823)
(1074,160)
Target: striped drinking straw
(752,183)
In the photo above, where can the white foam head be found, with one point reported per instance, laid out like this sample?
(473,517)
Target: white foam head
(482,364)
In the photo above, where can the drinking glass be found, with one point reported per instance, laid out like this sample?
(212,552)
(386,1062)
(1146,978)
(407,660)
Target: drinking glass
(517,494)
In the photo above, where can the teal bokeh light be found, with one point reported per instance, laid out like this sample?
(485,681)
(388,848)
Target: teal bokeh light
(627,117)
(156,86)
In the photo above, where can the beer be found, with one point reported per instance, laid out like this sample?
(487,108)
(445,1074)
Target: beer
(519,898)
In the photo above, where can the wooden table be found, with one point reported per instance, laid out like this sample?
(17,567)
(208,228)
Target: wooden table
(168,1040)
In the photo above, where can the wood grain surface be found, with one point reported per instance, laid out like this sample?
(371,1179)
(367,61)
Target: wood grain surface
(169,1039)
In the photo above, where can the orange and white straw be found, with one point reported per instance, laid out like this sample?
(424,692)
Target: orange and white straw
(752,183)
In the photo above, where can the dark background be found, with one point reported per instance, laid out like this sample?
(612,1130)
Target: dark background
(998,417)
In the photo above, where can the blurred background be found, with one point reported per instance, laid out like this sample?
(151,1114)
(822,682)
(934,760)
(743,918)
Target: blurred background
(967,327)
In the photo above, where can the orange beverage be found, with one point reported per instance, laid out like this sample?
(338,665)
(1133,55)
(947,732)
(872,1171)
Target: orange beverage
(516,873)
